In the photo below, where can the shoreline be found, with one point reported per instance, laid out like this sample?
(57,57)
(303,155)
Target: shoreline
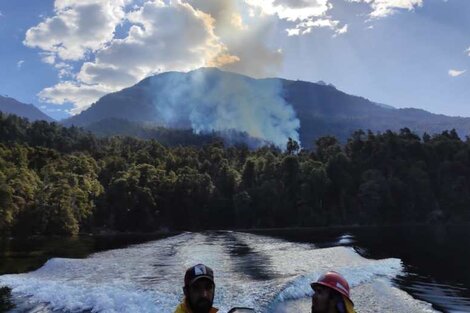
(113,233)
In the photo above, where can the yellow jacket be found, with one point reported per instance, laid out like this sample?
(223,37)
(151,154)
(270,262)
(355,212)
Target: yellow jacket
(349,305)
(182,308)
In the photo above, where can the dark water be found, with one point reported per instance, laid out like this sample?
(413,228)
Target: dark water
(20,255)
(436,259)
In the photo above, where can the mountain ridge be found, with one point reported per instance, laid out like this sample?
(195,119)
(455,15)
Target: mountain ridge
(10,105)
(320,108)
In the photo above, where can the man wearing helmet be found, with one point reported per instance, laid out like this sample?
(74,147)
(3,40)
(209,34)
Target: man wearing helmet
(199,290)
(331,294)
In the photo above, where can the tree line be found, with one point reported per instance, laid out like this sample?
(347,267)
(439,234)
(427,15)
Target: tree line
(58,180)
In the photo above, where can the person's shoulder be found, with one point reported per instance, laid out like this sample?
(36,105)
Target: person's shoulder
(180,308)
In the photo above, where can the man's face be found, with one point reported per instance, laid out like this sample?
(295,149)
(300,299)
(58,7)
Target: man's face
(200,295)
(320,299)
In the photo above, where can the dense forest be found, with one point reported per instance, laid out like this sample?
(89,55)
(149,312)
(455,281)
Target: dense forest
(58,180)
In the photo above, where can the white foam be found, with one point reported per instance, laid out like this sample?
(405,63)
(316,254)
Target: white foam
(346,239)
(356,274)
(376,296)
(76,297)
(310,263)
(149,277)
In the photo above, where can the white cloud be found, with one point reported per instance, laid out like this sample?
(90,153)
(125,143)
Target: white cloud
(163,37)
(80,94)
(342,30)
(239,27)
(468,50)
(19,64)
(292,10)
(307,26)
(48,57)
(78,27)
(383,8)
(307,14)
(293,31)
(80,40)
(64,70)
(455,73)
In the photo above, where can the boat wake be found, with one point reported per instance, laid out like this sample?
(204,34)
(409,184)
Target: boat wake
(268,274)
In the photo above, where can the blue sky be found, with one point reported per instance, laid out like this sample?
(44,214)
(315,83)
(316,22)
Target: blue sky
(61,56)
(24,81)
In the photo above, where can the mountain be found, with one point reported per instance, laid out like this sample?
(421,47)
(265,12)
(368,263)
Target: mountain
(211,99)
(11,106)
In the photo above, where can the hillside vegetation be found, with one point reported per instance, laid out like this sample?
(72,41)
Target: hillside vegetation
(58,180)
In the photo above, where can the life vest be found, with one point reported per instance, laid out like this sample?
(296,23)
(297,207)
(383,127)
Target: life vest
(349,306)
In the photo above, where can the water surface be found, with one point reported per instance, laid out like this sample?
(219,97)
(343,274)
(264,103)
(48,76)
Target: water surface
(264,271)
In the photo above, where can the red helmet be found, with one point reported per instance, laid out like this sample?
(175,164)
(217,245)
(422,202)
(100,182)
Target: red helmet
(334,281)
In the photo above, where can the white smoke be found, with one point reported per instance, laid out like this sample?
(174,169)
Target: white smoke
(211,100)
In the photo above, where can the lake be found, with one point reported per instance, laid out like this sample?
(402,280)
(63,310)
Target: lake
(391,269)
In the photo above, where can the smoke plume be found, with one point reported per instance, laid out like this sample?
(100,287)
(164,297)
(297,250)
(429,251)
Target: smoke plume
(210,100)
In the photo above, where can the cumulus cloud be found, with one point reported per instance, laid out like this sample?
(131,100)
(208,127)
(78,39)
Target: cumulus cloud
(162,37)
(64,70)
(81,95)
(77,27)
(48,57)
(456,73)
(155,36)
(245,36)
(19,64)
(468,51)
(383,8)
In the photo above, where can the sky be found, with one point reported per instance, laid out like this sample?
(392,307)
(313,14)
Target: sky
(63,55)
